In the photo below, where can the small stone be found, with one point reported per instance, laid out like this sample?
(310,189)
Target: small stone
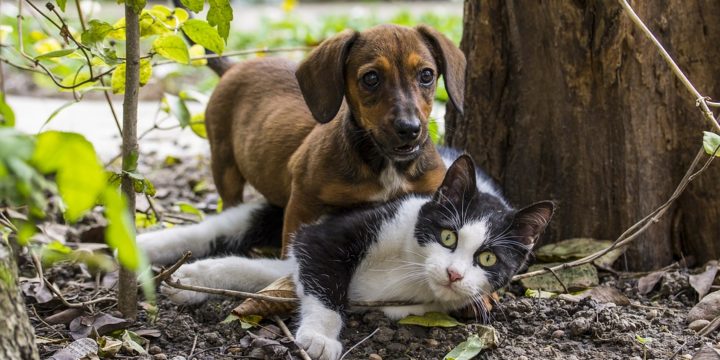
(234,350)
(353,324)
(403,335)
(396,347)
(651,314)
(636,358)
(686,357)
(160,356)
(375,357)
(698,325)
(558,334)
(213,338)
(178,357)
(384,335)
(579,326)
(154,350)
(432,343)
(522,357)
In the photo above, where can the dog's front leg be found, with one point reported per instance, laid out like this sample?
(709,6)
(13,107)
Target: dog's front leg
(299,210)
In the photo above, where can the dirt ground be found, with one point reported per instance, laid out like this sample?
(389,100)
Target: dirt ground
(528,328)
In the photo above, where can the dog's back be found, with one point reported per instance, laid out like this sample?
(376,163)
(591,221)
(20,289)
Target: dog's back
(255,98)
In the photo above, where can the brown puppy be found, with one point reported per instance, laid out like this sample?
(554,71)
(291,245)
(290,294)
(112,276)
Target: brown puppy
(287,131)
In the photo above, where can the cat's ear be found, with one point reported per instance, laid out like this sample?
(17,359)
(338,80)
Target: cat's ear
(530,222)
(459,181)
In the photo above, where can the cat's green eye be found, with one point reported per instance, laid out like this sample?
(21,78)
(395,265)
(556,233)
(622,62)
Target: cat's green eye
(448,238)
(486,258)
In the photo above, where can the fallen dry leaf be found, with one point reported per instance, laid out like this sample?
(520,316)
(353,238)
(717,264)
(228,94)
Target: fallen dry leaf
(708,308)
(35,289)
(102,323)
(648,282)
(283,288)
(703,281)
(77,349)
(707,352)
(65,316)
(601,294)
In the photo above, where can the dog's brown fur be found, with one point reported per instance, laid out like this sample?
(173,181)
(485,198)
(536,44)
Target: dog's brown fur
(287,131)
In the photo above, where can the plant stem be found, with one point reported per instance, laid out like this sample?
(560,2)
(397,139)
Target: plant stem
(127,294)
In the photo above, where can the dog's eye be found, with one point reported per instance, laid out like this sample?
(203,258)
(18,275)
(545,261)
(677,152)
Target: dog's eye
(427,77)
(371,79)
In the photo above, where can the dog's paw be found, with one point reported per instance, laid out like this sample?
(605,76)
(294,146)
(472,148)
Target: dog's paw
(319,346)
(190,274)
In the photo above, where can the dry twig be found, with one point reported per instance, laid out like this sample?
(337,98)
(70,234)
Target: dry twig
(288,334)
(166,273)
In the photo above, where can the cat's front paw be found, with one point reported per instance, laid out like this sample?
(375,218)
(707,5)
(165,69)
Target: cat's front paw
(318,346)
(190,274)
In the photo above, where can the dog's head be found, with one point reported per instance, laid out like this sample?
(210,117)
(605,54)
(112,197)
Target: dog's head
(387,75)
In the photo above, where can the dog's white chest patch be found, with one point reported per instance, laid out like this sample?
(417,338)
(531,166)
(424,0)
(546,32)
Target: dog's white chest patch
(393,183)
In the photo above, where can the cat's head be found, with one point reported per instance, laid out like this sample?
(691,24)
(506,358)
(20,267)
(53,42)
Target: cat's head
(472,242)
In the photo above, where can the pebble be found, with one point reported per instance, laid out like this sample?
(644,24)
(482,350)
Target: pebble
(178,357)
(396,347)
(579,326)
(686,357)
(698,325)
(432,343)
(403,335)
(636,358)
(375,357)
(522,357)
(213,338)
(651,314)
(384,335)
(153,350)
(160,357)
(353,324)
(558,334)
(234,350)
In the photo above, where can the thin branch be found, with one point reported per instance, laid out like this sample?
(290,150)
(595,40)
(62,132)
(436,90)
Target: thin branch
(241,53)
(288,334)
(638,228)
(166,273)
(359,342)
(565,289)
(700,100)
(230,293)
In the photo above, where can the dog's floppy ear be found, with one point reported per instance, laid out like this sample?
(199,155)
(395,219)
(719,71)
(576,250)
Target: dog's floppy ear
(322,76)
(451,61)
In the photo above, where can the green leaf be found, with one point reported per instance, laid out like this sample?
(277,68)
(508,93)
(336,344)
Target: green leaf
(642,340)
(195,6)
(249,321)
(230,318)
(137,5)
(711,141)
(96,32)
(431,319)
(189,209)
(467,349)
(202,33)
(79,174)
(145,71)
(7,115)
(173,47)
(531,293)
(178,109)
(117,82)
(220,15)
(61,4)
(55,54)
(197,53)
(197,125)
(57,111)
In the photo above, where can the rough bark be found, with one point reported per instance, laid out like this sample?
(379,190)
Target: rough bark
(567,100)
(17,338)
(127,284)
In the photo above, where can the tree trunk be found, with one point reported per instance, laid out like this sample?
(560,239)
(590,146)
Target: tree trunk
(127,284)
(17,338)
(567,100)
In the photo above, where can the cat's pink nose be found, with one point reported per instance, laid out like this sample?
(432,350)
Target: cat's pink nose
(453,275)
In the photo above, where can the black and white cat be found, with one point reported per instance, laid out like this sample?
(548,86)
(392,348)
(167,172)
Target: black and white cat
(442,252)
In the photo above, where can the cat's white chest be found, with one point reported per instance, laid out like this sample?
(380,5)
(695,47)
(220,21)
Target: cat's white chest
(392,183)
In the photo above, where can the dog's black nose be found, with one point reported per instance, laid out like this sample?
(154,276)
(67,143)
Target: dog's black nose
(407,129)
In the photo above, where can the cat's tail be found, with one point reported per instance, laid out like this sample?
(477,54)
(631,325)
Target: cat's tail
(234,231)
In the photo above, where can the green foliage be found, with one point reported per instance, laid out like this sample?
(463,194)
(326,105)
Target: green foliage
(220,15)
(96,32)
(189,209)
(466,350)
(195,6)
(711,143)
(7,115)
(202,33)
(61,4)
(173,47)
